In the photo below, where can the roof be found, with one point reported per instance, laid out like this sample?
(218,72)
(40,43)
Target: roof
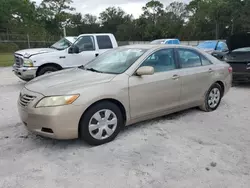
(155,46)
(95,34)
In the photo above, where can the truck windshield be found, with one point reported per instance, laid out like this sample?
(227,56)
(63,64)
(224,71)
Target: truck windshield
(115,61)
(61,44)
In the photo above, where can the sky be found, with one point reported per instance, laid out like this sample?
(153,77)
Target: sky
(94,7)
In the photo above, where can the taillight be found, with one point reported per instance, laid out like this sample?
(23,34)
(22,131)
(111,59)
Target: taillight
(230,69)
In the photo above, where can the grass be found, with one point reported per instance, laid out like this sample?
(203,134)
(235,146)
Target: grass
(6,59)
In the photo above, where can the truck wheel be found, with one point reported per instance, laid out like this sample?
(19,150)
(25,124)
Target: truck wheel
(46,70)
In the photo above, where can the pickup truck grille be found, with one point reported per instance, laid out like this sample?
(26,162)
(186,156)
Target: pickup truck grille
(24,100)
(18,60)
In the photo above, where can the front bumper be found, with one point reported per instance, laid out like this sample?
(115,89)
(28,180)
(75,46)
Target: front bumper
(241,77)
(59,122)
(25,73)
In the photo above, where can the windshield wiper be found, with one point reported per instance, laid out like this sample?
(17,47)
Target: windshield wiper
(93,70)
(54,47)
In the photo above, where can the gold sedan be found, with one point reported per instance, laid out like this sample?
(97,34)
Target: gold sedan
(122,86)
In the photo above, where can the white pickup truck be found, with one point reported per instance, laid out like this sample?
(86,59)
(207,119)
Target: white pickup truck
(84,49)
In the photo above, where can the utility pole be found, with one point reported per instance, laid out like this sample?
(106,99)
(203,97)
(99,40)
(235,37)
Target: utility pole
(64,31)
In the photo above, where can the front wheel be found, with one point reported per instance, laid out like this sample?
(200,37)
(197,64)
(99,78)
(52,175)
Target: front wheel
(101,123)
(46,70)
(212,99)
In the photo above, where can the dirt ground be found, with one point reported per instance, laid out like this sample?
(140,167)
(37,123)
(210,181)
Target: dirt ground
(190,149)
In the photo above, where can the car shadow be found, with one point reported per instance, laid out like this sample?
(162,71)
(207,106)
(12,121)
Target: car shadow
(41,141)
(170,117)
(241,85)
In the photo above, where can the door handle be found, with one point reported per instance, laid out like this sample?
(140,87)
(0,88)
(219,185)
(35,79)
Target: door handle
(96,55)
(210,70)
(175,77)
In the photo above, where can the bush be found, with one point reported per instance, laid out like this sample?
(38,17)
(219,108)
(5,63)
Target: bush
(8,47)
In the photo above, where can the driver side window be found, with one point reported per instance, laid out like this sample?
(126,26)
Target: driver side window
(161,61)
(85,43)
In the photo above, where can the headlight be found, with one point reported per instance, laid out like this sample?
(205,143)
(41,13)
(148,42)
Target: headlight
(56,101)
(27,63)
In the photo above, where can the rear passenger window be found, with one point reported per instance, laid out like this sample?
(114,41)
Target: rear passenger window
(189,58)
(104,42)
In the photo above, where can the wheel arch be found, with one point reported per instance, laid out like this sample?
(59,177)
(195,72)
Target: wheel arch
(222,86)
(49,64)
(112,100)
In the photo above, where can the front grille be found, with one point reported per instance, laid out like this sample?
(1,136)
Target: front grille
(24,100)
(18,60)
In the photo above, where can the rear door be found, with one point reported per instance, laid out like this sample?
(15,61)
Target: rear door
(104,43)
(196,75)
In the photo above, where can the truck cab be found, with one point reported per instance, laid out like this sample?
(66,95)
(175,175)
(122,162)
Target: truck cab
(83,50)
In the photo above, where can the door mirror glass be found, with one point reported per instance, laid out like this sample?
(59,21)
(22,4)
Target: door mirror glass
(73,50)
(145,70)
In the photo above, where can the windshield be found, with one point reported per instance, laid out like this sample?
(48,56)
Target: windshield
(208,45)
(61,44)
(246,49)
(159,41)
(115,61)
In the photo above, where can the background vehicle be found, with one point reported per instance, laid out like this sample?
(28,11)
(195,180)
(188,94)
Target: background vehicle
(239,56)
(121,87)
(84,49)
(166,41)
(215,47)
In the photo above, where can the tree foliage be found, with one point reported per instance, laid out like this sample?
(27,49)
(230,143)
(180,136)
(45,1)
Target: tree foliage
(198,20)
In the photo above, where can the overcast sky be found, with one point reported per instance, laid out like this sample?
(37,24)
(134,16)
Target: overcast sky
(96,6)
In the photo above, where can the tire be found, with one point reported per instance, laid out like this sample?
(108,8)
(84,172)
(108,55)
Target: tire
(46,70)
(211,104)
(89,134)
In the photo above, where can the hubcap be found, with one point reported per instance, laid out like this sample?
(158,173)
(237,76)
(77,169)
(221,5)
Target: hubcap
(102,124)
(214,98)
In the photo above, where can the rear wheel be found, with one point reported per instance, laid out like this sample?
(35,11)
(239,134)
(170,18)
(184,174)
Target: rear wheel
(46,70)
(212,99)
(101,123)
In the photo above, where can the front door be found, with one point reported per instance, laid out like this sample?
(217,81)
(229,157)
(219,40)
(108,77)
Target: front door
(155,93)
(87,52)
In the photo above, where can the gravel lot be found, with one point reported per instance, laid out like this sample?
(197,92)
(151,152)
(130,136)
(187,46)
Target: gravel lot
(188,149)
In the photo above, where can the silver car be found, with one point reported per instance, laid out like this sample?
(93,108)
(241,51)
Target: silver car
(121,87)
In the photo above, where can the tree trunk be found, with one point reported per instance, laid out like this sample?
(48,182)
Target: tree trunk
(217,30)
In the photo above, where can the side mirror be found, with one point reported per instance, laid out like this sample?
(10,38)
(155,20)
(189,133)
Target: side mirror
(73,50)
(145,70)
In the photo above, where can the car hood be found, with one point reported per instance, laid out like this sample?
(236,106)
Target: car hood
(66,81)
(238,41)
(34,51)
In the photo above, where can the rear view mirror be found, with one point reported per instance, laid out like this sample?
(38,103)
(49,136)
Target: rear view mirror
(73,50)
(145,70)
